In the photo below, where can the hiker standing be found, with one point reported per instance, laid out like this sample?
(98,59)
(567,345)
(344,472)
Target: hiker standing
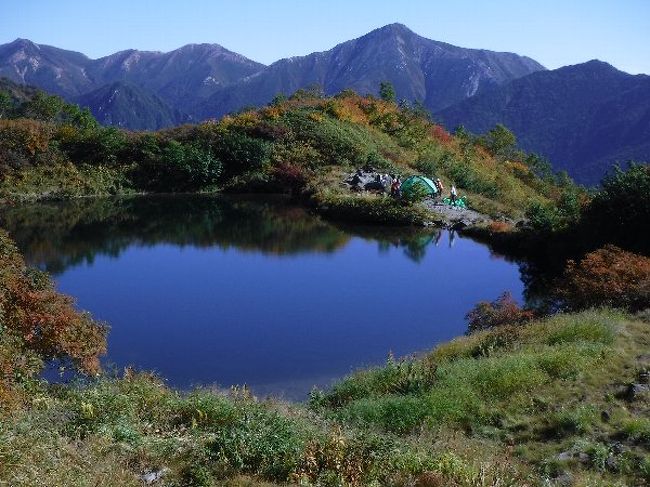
(453,194)
(395,190)
(439,187)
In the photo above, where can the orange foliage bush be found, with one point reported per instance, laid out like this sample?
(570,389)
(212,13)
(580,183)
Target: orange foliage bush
(440,134)
(518,168)
(37,321)
(347,109)
(32,135)
(272,112)
(500,227)
(503,311)
(22,141)
(608,276)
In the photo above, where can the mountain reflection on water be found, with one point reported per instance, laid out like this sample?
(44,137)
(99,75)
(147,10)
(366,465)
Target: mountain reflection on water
(215,290)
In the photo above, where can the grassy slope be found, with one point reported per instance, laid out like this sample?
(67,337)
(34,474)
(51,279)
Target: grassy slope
(329,138)
(305,144)
(494,408)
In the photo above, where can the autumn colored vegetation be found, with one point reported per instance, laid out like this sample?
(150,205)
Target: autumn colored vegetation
(37,324)
(607,277)
(522,400)
(305,145)
(502,311)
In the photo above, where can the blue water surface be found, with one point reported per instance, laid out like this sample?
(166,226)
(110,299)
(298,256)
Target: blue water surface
(223,292)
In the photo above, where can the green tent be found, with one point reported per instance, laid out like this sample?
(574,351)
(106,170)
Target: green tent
(425,182)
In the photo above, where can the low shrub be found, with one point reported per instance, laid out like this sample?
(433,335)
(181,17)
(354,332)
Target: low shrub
(24,142)
(503,311)
(370,209)
(500,227)
(608,276)
(397,414)
(583,329)
(64,181)
(291,177)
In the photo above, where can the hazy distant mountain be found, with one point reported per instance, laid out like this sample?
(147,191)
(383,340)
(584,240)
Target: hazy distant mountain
(207,80)
(54,70)
(182,78)
(583,118)
(435,73)
(128,106)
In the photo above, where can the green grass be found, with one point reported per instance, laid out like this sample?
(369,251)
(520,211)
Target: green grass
(637,430)
(63,181)
(450,417)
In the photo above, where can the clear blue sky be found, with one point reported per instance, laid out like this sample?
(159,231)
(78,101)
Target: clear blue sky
(554,32)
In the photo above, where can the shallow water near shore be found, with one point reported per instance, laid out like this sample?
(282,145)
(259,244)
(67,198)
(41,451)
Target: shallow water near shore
(221,291)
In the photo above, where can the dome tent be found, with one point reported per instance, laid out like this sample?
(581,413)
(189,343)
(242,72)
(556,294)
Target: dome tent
(426,183)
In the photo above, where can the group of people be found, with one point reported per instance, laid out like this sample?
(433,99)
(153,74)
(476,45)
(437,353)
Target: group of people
(453,194)
(394,182)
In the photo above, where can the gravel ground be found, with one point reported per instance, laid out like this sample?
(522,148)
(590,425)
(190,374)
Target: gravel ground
(456,217)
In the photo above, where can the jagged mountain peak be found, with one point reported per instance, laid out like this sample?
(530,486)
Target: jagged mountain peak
(207,80)
(202,46)
(593,65)
(180,77)
(421,69)
(20,43)
(394,29)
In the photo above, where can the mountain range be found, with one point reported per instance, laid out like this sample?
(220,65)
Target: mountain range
(582,117)
(200,81)
(161,86)
(434,73)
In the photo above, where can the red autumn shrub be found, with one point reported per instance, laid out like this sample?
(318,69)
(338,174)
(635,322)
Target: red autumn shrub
(503,311)
(38,322)
(608,276)
(291,176)
(440,134)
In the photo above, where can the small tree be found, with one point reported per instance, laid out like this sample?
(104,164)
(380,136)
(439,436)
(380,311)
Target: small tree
(500,140)
(539,165)
(43,107)
(187,167)
(278,99)
(620,211)
(313,91)
(387,91)
(461,132)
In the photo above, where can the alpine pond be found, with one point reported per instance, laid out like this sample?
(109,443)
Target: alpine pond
(224,291)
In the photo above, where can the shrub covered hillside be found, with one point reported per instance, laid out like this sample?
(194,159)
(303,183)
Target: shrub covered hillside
(521,401)
(305,145)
